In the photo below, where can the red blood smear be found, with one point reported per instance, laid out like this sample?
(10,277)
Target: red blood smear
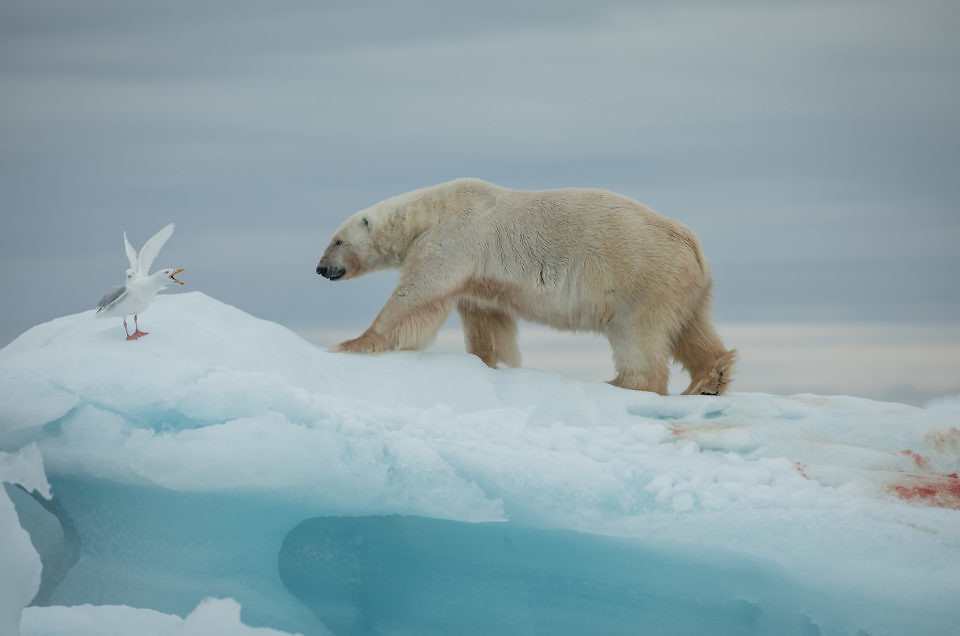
(946,441)
(918,459)
(942,491)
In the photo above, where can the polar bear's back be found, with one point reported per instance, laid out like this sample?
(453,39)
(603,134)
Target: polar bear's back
(569,256)
(585,223)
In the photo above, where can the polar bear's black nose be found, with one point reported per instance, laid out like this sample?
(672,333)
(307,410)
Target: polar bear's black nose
(333,273)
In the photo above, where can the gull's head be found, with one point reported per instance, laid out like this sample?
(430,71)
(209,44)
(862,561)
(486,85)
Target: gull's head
(171,273)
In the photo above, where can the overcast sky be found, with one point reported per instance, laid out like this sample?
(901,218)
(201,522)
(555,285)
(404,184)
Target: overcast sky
(813,146)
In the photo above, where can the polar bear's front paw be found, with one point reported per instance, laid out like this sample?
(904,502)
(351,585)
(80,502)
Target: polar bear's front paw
(366,343)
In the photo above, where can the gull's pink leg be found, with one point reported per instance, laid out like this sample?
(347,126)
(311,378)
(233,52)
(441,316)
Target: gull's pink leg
(129,337)
(137,333)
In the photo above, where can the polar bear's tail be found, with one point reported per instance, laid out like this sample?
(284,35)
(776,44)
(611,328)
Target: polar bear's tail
(701,352)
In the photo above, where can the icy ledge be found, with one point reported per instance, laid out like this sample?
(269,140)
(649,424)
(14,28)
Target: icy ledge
(189,463)
(21,569)
(213,617)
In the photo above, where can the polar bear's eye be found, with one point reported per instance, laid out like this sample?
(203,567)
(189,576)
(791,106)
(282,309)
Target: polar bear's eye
(338,242)
(366,223)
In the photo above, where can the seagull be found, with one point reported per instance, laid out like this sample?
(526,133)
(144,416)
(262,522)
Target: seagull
(138,292)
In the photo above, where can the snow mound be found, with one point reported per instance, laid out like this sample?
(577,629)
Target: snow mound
(185,463)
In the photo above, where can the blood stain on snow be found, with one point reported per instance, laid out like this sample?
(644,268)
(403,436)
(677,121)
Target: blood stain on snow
(942,491)
(802,469)
(945,441)
(679,428)
(917,527)
(918,459)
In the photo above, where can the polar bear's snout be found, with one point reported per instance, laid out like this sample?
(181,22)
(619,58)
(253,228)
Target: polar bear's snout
(333,273)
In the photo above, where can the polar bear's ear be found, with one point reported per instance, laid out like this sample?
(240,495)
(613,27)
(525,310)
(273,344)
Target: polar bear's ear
(366,222)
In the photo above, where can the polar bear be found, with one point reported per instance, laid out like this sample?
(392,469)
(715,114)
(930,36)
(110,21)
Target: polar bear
(580,260)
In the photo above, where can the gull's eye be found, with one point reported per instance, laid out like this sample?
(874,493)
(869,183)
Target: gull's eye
(338,242)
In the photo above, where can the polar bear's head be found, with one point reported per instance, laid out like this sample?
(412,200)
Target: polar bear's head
(378,237)
(351,251)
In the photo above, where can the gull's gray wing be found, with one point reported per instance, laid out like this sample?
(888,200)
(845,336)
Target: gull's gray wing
(111,297)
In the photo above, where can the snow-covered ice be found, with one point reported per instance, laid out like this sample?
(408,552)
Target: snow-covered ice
(223,457)
(19,562)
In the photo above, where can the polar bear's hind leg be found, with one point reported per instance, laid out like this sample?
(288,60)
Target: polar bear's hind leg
(701,352)
(641,359)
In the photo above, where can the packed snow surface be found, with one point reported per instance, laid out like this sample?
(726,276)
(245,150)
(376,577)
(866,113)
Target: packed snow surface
(223,457)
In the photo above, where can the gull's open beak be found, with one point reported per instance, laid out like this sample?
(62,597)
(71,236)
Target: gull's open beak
(174,274)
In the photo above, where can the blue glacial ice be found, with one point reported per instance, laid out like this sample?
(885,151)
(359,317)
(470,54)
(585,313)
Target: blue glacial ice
(223,472)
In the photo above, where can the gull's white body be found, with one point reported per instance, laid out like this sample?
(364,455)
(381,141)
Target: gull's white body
(133,298)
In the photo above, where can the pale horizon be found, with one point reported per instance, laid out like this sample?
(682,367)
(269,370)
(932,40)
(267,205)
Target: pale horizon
(911,364)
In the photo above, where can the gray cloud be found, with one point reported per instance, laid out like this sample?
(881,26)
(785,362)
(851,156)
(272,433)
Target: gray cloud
(812,146)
